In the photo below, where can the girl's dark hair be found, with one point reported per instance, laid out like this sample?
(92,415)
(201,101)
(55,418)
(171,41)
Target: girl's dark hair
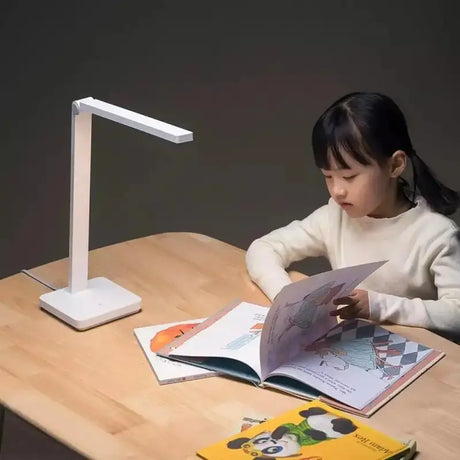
(371,126)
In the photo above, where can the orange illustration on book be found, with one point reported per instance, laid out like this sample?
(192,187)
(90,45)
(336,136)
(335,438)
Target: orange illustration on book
(162,338)
(257,327)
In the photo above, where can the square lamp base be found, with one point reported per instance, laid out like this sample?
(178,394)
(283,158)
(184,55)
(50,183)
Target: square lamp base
(102,301)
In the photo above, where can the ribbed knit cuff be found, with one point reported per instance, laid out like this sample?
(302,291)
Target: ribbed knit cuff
(375,314)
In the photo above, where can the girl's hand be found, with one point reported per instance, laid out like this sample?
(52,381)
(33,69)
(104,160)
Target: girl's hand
(356,305)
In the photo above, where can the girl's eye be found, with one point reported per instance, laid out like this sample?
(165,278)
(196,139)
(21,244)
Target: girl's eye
(350,177)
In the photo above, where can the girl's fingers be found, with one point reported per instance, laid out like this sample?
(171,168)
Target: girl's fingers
(348,300)
(341,301)
(345,313)
(341,311)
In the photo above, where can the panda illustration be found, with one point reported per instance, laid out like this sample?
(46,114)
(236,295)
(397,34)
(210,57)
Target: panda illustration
(287,440)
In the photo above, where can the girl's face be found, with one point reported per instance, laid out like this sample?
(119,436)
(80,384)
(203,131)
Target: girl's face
(362,190)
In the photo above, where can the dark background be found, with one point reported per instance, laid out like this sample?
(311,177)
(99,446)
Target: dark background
(248,78)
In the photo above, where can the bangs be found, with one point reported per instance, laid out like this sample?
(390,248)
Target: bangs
(334,134)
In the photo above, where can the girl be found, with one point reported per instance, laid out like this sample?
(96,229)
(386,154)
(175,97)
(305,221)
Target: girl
(362,146)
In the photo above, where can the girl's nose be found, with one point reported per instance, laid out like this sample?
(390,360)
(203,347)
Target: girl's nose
(340,192)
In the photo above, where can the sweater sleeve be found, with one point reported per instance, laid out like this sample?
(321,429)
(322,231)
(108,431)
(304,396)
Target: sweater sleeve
(269,256)
(442,314)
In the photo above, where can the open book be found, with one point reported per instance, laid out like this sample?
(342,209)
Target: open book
(295,346)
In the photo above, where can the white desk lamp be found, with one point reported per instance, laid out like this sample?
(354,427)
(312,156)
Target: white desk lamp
(88,303)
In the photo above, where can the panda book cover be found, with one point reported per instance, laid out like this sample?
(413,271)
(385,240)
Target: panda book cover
(312,431)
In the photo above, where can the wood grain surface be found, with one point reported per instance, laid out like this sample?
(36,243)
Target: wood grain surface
(95,391)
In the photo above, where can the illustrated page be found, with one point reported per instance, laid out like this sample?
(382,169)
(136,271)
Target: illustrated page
(299,314)
(355,362)
(235,335)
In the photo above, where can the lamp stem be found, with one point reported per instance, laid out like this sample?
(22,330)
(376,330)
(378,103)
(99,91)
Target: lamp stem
(79,199)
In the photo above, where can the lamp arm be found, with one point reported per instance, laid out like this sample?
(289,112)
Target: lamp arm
(80,179)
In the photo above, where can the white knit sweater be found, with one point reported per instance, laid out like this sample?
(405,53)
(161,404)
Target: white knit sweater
(418,286)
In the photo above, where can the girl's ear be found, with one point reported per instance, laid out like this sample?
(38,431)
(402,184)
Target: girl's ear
(398,163)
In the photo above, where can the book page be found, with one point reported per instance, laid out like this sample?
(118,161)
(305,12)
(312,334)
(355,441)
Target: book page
(355,362)
(235,335)
(354,387)
(152,338)
(299,314)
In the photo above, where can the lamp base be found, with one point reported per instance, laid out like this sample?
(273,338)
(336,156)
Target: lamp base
(102,301)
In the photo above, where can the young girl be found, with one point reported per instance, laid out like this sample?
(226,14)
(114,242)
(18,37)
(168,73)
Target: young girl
(362,146)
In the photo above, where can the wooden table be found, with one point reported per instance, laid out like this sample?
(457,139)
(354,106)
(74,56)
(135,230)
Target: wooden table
(95,392)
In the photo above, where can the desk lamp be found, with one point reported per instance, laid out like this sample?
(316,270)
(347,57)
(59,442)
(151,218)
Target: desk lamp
(88,303)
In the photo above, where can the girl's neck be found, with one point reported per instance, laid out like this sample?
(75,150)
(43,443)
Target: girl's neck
(395,204)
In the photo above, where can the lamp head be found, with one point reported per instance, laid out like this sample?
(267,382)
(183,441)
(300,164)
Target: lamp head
(132,119)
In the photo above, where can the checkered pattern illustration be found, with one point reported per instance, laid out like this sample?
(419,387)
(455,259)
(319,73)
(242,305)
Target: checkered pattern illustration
(392,354)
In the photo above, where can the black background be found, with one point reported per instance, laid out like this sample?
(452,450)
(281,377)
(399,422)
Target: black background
(248,78)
